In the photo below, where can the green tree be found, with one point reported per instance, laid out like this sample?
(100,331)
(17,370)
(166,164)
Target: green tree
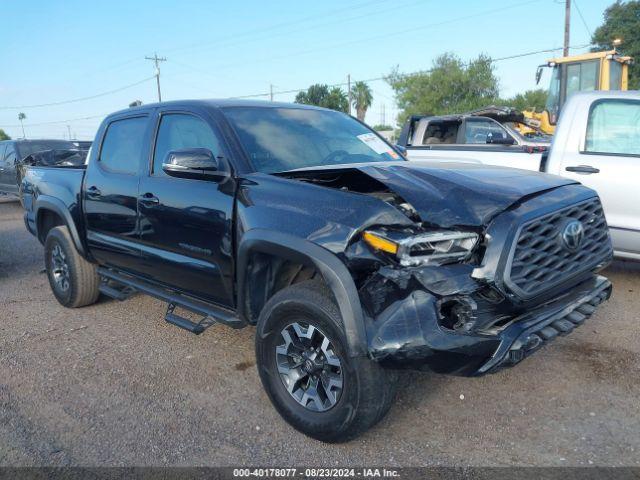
(382,128)
(622,21)
(529,100)
(337,100)
(361,98)
(323,96)
(3,135)
(450,86)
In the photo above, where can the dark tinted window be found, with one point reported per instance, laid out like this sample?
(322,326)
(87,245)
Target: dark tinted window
(280,139)
(10,156)
(122,145)
(178,131)
(32,146)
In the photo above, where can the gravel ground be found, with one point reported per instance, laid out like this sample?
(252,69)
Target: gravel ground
(114,385)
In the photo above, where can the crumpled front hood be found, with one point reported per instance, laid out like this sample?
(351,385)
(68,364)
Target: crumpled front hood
(450,194)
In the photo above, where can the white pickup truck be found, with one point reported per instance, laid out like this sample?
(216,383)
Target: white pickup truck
(470,137)
(597,142)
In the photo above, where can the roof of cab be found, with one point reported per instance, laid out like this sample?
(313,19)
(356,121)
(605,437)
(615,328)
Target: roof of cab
(217,103)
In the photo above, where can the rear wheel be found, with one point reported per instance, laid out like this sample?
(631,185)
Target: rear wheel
(302,359)
(73,280)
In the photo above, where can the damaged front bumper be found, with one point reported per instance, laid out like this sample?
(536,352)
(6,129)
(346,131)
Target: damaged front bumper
(409,330)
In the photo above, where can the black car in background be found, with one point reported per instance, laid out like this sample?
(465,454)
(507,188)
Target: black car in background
(13,151)
(83,145)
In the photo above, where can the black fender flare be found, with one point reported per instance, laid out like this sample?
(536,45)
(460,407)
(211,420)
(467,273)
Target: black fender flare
(332,269)
(46,202)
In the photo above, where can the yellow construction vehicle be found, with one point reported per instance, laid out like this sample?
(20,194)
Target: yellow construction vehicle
(590,71)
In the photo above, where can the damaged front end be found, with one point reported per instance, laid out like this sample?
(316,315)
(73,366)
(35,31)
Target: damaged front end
(479,278)
(441,319)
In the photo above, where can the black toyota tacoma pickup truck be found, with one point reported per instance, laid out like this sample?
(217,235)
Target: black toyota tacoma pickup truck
(351,261)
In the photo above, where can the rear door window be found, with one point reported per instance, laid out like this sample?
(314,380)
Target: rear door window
(441,132)
(123,145)
(614,127)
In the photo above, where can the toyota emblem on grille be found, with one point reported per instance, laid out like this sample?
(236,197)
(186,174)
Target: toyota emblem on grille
(572,235)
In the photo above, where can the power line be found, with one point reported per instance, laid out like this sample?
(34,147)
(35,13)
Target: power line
(268,94)
(584,22)
(75,100)
(417,72)
(332,22)
(385,35)
(54,122)
(276,26)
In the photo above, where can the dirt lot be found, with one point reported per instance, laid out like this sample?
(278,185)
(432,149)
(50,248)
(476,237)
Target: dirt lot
(113,384)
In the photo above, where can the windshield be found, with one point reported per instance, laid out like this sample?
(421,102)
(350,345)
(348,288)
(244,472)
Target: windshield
(32,146)
(280,139)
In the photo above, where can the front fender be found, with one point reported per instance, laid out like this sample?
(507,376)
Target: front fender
(333,270)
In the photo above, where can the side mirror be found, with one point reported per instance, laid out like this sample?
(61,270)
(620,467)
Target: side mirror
(401,149)
(197,163)
(500,139)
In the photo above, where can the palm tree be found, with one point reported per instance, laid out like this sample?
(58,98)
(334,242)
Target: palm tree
(21,117)
(361,98)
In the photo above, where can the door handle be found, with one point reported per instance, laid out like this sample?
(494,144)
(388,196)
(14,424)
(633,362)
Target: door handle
(149,199)
(583,169)
(93,192)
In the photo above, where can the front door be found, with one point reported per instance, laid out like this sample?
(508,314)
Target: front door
(110,192)
(186,224)
(609,162)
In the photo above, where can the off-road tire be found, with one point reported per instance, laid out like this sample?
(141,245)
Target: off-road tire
(368,389)
(83,280)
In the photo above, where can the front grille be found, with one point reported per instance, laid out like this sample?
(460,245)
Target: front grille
(542,260)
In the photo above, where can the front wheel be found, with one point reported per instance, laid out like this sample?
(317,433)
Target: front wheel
(304,367)
(74,281)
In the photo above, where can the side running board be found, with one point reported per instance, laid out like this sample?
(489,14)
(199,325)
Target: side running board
(210,313)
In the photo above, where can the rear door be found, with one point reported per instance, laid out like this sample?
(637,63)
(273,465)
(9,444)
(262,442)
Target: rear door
(110,191)
(608,161)
(186,224)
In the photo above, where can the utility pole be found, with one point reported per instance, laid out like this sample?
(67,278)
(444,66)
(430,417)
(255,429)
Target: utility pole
(271,92)
(382,116)
(349,91)
(567,27)
(157,61)
(69,130)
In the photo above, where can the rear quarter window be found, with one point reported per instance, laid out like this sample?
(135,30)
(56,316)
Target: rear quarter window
(123,144)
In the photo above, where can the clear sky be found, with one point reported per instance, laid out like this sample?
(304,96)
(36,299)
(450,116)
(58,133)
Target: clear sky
(53,51)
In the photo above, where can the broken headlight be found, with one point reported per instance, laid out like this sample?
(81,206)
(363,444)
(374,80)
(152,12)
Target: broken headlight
(435,248)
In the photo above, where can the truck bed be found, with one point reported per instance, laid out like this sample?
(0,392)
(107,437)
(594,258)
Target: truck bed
(59,185)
